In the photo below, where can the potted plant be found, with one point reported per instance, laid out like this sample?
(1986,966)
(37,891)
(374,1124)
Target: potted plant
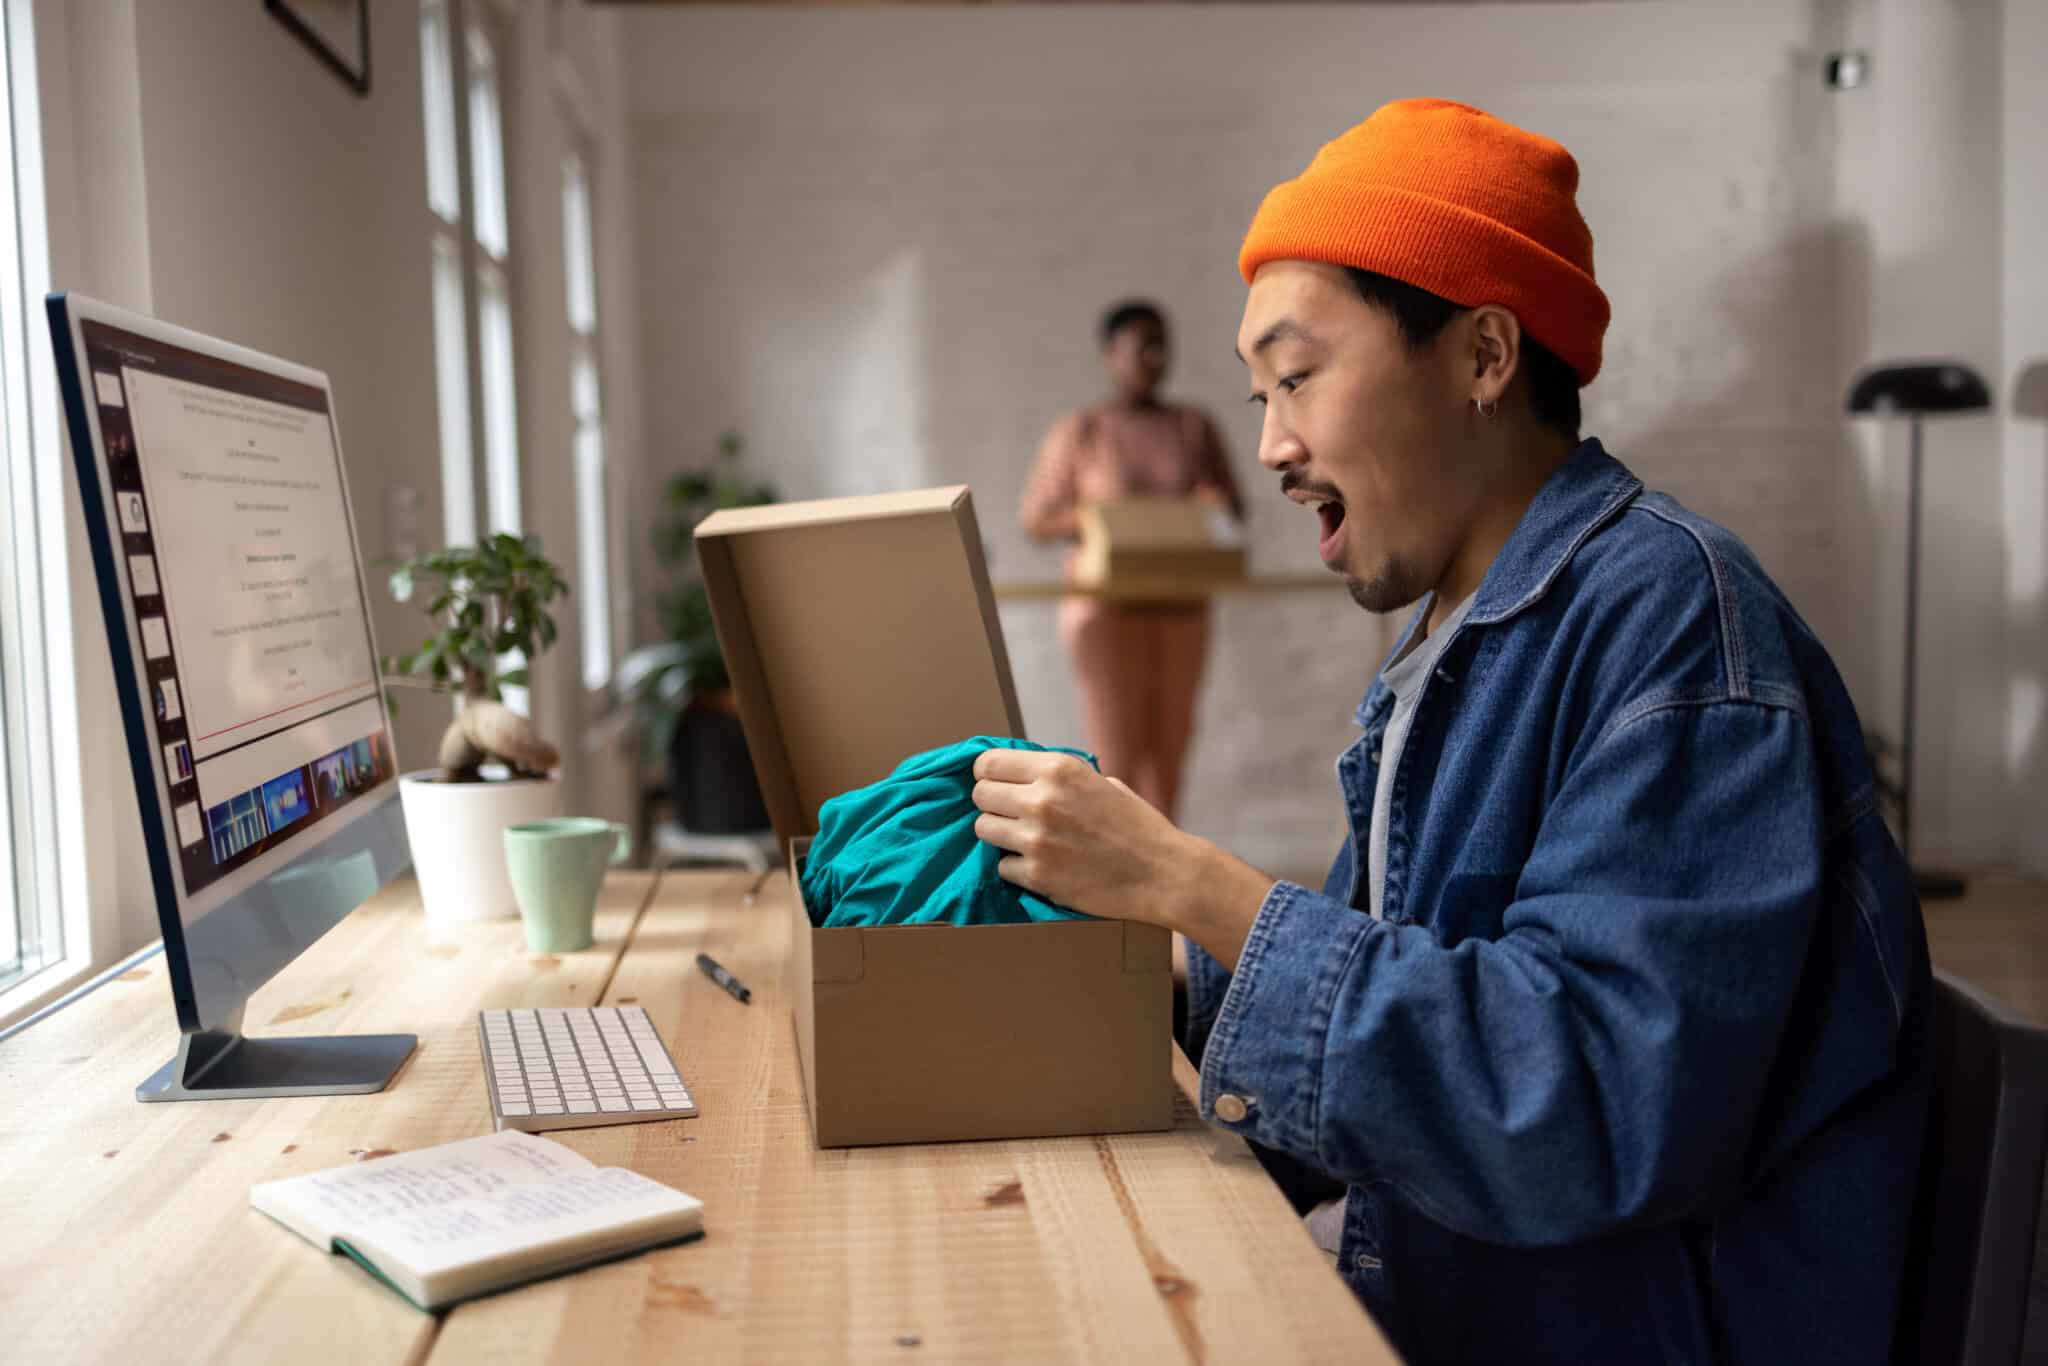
(680,692)
(489,604)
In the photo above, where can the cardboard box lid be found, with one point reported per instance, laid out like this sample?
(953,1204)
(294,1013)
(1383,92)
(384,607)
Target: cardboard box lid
(858,631)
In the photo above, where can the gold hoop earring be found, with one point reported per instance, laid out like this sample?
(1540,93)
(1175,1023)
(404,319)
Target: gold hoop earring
(1485,407)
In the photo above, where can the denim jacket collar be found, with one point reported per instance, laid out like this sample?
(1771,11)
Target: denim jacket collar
(1583,495)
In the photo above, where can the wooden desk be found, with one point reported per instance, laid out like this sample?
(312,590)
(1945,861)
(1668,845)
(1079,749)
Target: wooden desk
(128,1234)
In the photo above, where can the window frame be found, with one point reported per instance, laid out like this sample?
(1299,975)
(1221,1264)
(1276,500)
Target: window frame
(586,340)
(35,468)
(494,496)
(448,235)
(478,19)
(491,493)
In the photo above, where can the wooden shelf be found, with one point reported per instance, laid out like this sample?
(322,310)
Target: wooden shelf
(1169,592)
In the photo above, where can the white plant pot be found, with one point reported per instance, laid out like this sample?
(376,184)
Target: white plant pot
(457,831)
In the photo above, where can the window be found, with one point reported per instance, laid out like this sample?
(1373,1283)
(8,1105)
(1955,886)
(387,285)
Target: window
(493,271)
(467,200)
(36,725)
(474,351)
(586,398)
(451,322)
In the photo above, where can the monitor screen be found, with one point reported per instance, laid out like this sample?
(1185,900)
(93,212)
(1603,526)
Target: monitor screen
(238,556)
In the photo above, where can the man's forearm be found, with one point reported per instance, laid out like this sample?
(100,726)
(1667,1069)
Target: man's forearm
(1216,898)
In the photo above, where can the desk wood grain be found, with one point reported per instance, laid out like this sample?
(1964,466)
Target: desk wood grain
(128,1233)
(129,1236)
(1168,1247)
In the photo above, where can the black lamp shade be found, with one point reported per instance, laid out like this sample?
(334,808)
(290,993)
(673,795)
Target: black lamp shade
(1941,386)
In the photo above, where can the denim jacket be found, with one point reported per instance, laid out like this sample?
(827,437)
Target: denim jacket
(1635,1067)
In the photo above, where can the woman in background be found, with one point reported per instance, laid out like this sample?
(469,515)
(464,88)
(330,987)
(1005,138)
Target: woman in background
(1138,667)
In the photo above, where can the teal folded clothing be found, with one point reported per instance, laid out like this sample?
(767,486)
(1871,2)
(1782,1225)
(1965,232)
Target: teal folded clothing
(903,851)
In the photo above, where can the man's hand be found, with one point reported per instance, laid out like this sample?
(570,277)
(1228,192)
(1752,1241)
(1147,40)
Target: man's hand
(1091,844)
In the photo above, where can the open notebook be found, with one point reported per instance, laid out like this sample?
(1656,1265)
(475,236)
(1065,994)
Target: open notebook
(449,1223)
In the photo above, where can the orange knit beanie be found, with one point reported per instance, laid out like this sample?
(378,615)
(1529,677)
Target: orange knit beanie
(1454,201)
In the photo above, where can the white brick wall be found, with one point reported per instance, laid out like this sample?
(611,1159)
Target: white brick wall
(877,242)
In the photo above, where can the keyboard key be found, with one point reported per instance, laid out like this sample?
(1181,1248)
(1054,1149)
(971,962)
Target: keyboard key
(610,1103)
(516,1107)
(649,1104)
(582,1107)
(548,1107)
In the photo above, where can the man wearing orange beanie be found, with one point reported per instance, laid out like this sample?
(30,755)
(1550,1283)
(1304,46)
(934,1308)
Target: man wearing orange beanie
(1608,1030)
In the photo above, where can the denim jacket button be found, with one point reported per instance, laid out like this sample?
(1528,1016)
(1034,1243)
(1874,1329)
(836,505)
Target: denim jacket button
(1365,1261)
(1231,1109)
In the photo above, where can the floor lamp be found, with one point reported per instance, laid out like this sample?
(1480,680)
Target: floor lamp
(1916,390)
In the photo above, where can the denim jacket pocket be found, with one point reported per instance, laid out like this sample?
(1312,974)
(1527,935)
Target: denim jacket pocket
(1472,906)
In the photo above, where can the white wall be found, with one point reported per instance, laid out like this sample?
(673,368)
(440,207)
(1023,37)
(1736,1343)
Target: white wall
(226,181)
(877,242)
(1918,186)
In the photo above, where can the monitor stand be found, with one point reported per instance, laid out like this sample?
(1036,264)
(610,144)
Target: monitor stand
(223,1064)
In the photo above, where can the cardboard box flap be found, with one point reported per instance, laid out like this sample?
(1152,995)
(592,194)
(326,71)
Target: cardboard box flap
(858,631)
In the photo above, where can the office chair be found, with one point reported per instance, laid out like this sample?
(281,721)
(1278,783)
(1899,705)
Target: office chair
(1970,1262)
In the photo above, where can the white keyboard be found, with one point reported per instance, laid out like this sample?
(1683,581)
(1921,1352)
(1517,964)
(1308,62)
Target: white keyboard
(573,1068)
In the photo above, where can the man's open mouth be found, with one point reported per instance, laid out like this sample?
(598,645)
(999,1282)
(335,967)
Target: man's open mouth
(1331,514)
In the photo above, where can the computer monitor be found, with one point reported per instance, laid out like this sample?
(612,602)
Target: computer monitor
(217,507)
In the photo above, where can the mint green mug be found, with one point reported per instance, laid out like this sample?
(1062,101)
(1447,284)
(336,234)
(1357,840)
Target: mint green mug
(557,867)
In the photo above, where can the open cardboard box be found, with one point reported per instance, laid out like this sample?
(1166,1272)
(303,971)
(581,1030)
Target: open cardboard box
(1145,546)
(860,631)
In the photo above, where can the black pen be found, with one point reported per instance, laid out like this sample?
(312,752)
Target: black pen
(724,978)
